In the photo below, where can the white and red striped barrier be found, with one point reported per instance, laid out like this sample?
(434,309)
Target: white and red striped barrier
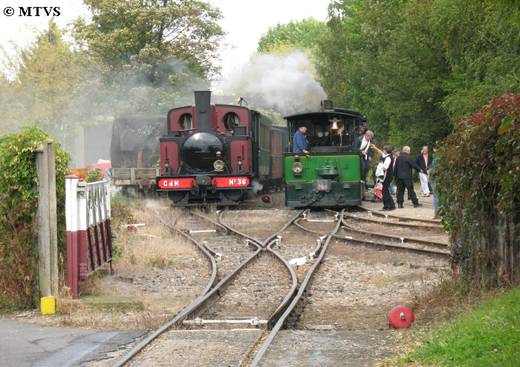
(89,234)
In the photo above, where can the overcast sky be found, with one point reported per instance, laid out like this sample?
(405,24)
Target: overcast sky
(244,22)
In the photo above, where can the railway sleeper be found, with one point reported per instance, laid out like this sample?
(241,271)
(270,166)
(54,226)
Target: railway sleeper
(255,321)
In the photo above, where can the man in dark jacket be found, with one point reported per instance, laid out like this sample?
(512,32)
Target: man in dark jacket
(404,177)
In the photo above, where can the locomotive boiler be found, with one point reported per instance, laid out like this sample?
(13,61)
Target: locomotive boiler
(219,153)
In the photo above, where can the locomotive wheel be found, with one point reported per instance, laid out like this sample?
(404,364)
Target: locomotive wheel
(177,196)
(234,195)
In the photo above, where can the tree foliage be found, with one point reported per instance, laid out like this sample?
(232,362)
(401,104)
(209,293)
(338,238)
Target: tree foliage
(415,66)
(152,36)
(18,205)
(47,76)
(303,34)
(132,56)
(479,173)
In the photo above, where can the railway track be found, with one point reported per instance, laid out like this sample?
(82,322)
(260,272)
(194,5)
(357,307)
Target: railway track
(381,220)
(359,230)
(354,233)
(259,274)
(227,248)
(315,260)
(248,298)
(342,312)
(398,218)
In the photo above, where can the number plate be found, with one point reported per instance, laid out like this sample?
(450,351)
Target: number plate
(176,183)
(231,182)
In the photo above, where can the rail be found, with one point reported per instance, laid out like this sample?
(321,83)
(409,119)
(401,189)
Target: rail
(400,218)
(211,291)
(301,290)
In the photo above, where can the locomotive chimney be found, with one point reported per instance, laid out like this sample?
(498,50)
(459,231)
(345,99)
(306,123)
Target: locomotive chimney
(203,108)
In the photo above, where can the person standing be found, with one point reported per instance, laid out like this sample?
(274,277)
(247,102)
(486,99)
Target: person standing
(424,160)
(434,182)
(300,143)
(388,164)
(404,177)
(339,138)
(365,153)
(397,153)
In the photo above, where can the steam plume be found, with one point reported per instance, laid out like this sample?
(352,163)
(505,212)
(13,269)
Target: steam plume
(284,83)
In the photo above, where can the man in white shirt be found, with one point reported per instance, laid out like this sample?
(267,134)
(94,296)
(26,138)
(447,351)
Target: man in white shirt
(365,153)
(388,169)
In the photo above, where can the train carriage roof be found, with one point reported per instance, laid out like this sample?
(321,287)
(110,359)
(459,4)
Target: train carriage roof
(335,112)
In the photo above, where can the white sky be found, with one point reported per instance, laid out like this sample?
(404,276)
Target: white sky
(244,22)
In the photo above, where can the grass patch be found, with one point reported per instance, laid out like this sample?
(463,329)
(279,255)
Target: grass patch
(486,336)
(121,211)
(160,262)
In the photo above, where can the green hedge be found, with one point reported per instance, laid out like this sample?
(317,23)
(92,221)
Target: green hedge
(18,205)
(479,178)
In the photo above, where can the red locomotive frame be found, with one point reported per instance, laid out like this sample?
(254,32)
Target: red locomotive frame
(218,153)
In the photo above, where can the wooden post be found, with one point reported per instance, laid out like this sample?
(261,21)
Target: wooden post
(53,221)
(46,219)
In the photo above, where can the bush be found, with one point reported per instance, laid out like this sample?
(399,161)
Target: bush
(479,174)
(94,175)
(18,206)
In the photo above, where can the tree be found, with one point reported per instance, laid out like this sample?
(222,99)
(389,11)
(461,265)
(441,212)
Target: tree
(387,67)
(152,36)
(48,73)
(18,207)
(303,34)
(416,66)
(481,43)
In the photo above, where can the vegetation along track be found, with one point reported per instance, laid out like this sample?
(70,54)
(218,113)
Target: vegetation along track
(249,297)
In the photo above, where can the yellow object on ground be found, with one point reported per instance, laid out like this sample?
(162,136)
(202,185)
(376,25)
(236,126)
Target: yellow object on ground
(48,305)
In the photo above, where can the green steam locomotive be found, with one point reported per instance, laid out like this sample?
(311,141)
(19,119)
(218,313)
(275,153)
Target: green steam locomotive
(327,173)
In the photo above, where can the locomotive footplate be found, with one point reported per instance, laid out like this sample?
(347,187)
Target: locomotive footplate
(202,189)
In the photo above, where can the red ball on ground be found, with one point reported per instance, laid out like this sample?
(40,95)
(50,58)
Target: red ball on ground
(400,317)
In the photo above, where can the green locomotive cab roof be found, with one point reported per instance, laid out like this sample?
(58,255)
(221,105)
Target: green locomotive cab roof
(328,131)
